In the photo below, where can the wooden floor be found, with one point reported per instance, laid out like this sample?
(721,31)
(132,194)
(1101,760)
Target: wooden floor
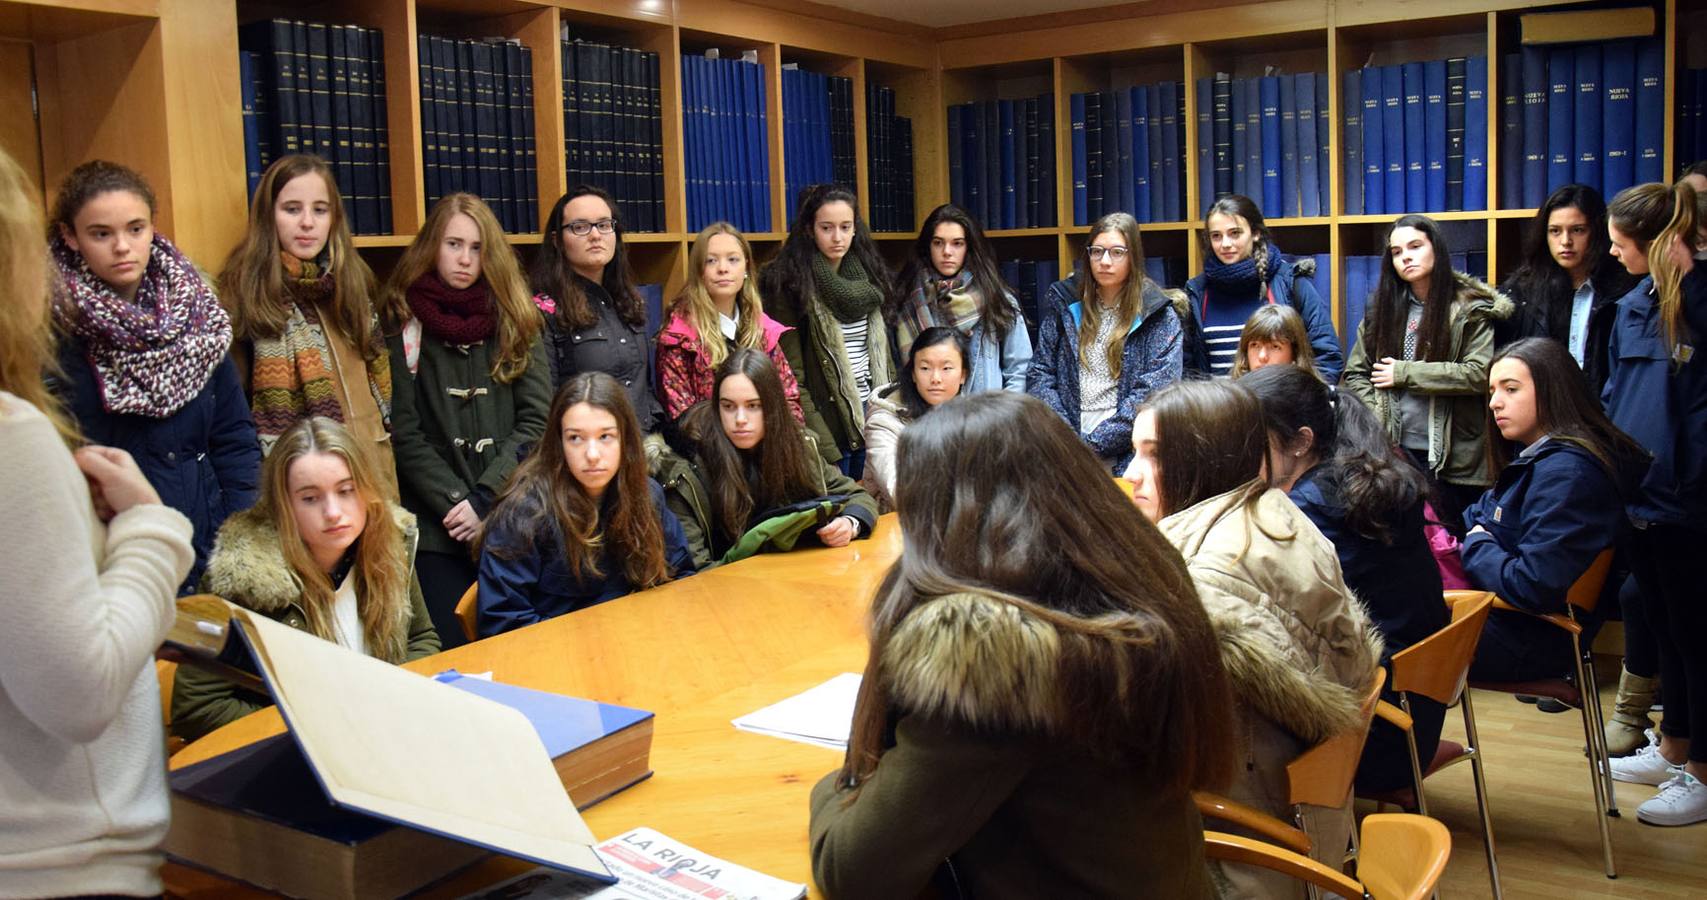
(1543,813)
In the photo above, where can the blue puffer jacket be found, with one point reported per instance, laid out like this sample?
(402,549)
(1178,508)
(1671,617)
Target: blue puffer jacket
(204,459)
(1151,359)
(1662,403)
(1544,521)
(1291,284)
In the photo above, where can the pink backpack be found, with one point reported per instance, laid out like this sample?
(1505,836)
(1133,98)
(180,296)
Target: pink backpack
(1445,548)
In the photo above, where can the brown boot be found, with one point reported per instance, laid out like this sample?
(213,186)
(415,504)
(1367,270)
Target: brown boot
(1627,726)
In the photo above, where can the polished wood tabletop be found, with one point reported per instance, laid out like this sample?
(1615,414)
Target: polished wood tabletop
(698,653)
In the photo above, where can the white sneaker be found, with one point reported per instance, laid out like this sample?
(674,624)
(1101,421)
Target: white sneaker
(1645,766)
(1681,801)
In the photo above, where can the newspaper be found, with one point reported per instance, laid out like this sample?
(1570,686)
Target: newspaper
(648,866)
(821,716)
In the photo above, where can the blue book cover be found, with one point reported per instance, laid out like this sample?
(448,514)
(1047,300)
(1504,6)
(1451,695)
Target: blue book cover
(1173,139)
(1240,137)
(1561,117)
(1143,189)
(690,139)
(1476,133)
(1046,163)
(792,152)
(1158,183)
(1650,111)
(758,152)
(1324,136)
(1253,140)
(1511,131)
(1126,184)
(1222,134)
(1393,139)
(1416,174)
(1455,95)
(1587,135)
(738,97)
(1351,310)
(1096,182)
(1351,109)
(1618,117)
(1025,164)
(956,190)
(1535,127)
(247,63)
(976,160)
(732,176)
(564,723)
(1005,121)
(1205,144)
(1434,135)
(1289,151)
(1272,203)
(1076,107)
(1309,187)
(1323,280)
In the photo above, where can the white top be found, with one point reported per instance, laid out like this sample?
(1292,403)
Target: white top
(347,617)
(729,324)
(1098,388)
(859,355)
(1581,302)
(83,804)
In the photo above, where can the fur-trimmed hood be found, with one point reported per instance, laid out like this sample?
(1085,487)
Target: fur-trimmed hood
(976,659)
(248,565)
(1478,299)
(1297,644)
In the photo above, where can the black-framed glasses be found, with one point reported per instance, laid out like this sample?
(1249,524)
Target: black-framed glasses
(1114,253)
(582,227)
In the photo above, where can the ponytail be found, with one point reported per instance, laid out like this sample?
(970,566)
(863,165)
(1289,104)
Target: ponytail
(1668,280)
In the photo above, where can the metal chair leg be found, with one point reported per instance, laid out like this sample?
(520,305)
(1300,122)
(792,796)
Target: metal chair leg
(1481,793)
(1416,762)
(1600,733)
(1598,765)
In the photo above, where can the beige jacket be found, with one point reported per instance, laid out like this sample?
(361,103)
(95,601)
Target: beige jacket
(886,416)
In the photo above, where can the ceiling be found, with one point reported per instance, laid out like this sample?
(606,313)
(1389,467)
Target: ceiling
(944,13)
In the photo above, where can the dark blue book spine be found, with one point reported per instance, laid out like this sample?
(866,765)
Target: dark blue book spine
(1205,148)
(1126,164)
(1025,163)
(1325,125)
(1374,141)
(247,63)
(1650,111)
(1561,117)
(1288,147)
(1269,88)
(1416,172)
(1173,151)
(992,132)
(956,159)
(972,123)
(1351,108)
(1309,184)
(1587,134)
(1535,103)
(694,140)
(1323,279)
(758,157)
(1046,163)
(1081,177)
(1239,141)
(1158,154)
(1094,167)
(1222,136)
(1476,133)
(1511,131)
(1253,139)
(1618,117)
(527,190)
(1143,188)
(1456,73)
(1434,135)
(1393,138)
(1005,119)
(1109,112)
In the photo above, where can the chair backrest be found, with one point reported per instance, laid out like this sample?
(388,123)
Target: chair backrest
(1322,775)
(1401,857)
(468,612)
(1585,591)
(1436,666)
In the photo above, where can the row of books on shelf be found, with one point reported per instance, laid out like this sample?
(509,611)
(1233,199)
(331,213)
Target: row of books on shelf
(1418,135)
(1691,117)
(1001,161)
(1591,113)
(613,127)
(889,156)
(843,167)
(477,125)
(1129,153)
(810,122)
(309,87)
(1030,280)
(1265,138)
(1363,276)
(726,153)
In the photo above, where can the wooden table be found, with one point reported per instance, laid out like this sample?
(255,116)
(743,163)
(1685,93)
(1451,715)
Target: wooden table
(697,653)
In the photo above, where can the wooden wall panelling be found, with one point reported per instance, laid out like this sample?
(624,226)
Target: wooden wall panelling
(204,127)
(770,56)
(21,139)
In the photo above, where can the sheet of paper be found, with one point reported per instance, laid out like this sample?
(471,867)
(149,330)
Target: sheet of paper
(822,716)
(650,866)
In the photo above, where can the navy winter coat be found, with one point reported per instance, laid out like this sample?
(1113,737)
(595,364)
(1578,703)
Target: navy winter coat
(1150,360)
(1662,403)
(204,459)
(539,586)
(1291,284)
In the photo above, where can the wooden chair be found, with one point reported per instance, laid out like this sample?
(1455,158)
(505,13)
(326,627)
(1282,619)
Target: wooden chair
(1320,776)
(1437,667)
(166,671)
(468,612)
(1402,858)
(1584,694)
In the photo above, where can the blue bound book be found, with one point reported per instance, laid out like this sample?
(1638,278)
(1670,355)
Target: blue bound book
(1455,77)
(1650,111)
(1323,280)
(1535,127)
(1587,134)
(1222,134)
(1351,107)
(1125,180)
(1173,141)
(758,152)
(1240,138)
(1511,131)
(1309,186)
(1205,144)
(972,123)
(1005,120)
(1143,189)
(1076,114)
(1416,174)
(1324,136)
(1289,151)
(1272,204)
(1618,117)
(1393,138)
(1476,133)
(247,63)
(1434,135)
(1158,182)
(956,190)
(1561,117)
(1096,184)
(1046,162)
(1253,139)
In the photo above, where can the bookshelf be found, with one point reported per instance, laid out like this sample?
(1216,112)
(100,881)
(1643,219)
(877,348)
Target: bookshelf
(155,84)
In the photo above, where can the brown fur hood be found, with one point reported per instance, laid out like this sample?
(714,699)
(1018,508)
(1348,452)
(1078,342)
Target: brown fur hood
(248,564)
(1478,298)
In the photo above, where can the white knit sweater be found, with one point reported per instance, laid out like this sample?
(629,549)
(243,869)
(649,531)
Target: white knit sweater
(83,804)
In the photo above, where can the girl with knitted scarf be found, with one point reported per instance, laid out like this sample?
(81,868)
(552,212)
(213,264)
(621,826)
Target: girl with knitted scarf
(306,339)
(827,284)
(473,387)
(143,350)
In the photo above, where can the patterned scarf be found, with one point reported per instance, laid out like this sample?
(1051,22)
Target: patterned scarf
(151,355)
(456,316)
(292,373)
(953,301)
(846,292)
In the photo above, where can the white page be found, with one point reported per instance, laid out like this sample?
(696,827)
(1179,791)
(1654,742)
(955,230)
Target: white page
(650,866)
(821,716)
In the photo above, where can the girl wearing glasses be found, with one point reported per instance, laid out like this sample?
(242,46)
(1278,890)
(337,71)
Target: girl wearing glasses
(473,387)
(595,319)
(1108,337)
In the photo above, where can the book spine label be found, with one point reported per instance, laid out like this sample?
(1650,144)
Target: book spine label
(1587,134)
(1618,117)
(1561,117)
(1416,141)
(1651,111)
(1476,133)
(1434,135)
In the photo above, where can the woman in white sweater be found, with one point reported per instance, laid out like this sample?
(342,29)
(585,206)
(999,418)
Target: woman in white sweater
(90,561)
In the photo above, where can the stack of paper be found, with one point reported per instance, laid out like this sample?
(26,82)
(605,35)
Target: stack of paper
(822,716)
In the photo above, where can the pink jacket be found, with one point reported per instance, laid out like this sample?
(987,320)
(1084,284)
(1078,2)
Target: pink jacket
(684,373)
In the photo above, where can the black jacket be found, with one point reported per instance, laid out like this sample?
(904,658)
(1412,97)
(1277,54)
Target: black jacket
(1550,317)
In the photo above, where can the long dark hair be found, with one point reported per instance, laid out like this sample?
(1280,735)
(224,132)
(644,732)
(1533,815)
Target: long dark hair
(1263,251)
(1374,484)
(775,473)
(998,496)
(1390,306)
(543,493)
(1542,284)
(1209,440)
(788,277)
(994,310)
(552,274)
(930,337)
(1564,408)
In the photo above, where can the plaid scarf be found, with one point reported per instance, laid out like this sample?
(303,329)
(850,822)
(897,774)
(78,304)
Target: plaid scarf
(153,354)
(954,302)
